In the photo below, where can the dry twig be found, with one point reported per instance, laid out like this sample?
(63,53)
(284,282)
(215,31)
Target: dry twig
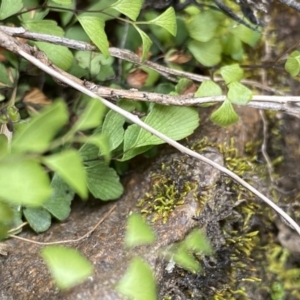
(40,60)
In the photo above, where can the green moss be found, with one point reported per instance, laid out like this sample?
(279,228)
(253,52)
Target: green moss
(249,259)
(167,193)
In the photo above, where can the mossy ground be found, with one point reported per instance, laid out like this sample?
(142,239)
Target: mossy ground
(248,262)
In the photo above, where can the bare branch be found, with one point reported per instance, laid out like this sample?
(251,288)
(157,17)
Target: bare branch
(169,73)
(40,60)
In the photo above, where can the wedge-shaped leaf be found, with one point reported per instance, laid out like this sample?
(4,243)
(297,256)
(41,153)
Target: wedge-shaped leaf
(207,53)
(23,182)
(146,42)
(167,20)
(129,8)
(292,64)
(94,28)
(103,181)
(203,26)
(44,26)
(91,116)
(238,93)
(60,56)
(225,114)
(246,35)
(232,73)
(208,88)
(38,133)
(113,128)
(60,201)
(138,232)
(39,219)
(67,266)
(138,282)
(186,260)
(197,242)
(68,165)
(175,122)
(10,7)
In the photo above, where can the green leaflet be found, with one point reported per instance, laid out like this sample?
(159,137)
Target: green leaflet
(138,232)
(207,53)
(292,64)
(232,73)
(23,181)
(166,20)
(175,122)
(103,181)
(203,26)
(92,115)
(10,7)
(59,202)
(60,56)
(94,28)
(129,8)
(67,266)
(224,115)
(146,42)
(39,219)
(38,133)
(138,282)
(238,93)
(69,167)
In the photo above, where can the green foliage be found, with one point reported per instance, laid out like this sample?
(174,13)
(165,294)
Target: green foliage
(67,266)
(232,73)
(39,219)
(103,181)
(183,253)
(180,123)
(225,114)
(238,93)
(138,282)
(23,181)
(58,204)
(37,134)
(138,232)
(207,53)
(129,8)
(203,26)
(292,64)
(94,27)
(10,7)
(50,139)
(166,20)
(92,115)
(68,165)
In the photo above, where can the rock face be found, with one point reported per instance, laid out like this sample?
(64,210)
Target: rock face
(23,275)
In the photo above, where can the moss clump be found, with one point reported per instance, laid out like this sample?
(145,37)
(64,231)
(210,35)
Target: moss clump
(170,187)
(232,225)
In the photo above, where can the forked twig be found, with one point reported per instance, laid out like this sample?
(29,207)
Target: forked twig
(42,63)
